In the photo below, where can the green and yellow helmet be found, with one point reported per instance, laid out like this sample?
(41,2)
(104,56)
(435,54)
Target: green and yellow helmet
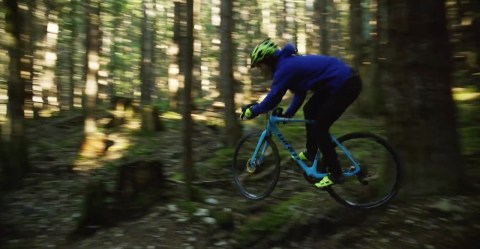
(261,51)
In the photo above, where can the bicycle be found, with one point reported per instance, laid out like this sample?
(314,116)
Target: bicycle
(371,166)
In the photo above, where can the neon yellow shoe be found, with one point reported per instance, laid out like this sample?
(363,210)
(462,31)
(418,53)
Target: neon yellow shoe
(303,156)
(328,180)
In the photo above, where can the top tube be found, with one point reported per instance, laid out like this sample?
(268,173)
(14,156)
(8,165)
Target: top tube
(276,119)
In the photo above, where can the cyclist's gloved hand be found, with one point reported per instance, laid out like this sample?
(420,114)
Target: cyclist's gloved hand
(279,113)
(247,112)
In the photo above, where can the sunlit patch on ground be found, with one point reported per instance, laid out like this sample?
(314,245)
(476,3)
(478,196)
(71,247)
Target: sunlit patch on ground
(117,150)
(171,115)
(133,124)
(465,94)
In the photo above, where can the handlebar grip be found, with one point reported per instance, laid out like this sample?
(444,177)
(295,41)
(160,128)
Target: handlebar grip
(278,111)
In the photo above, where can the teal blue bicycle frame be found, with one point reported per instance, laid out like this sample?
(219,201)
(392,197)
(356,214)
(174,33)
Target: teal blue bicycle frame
(310,171)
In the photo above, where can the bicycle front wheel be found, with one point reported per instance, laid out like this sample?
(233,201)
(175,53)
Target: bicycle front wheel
(256,176)
(380,172)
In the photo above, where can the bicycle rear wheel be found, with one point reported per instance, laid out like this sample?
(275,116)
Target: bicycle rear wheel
(380,172)
(256,179)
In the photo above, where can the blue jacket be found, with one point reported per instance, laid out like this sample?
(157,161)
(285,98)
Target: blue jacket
(300,73)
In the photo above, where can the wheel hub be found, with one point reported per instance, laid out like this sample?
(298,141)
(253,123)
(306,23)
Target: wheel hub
(362,175)
(251,167)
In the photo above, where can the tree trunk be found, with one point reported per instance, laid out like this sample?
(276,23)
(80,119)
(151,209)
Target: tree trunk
(323,23)
(226,74)
(93,143)
(113,66)
(146,67)
(29,30)
(378,60)
(13,142)
(334,28)
(48,79)
(72,53)
(188,168)
(475,31)
(356,40)
(176,69)
(370,102)
(421,121)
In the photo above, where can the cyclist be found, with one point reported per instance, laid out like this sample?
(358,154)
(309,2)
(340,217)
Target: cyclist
(334,85)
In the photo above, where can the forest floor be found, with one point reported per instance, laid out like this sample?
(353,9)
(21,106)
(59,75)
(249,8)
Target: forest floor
(45,212)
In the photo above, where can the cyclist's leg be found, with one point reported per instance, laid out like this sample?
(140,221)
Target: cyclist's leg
(327,114)
(310,111)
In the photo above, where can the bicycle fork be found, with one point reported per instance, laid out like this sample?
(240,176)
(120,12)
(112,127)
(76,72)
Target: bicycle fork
(258,155)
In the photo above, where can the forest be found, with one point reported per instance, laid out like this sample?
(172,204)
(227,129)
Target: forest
(119,121)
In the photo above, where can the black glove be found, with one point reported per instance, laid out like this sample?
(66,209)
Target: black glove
(247,111)
(278,112)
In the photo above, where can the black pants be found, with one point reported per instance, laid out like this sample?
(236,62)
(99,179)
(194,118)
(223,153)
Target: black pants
(326,108)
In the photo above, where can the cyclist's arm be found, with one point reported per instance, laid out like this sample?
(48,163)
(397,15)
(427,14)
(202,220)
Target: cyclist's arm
(273,98)
(281,79)
(297,101)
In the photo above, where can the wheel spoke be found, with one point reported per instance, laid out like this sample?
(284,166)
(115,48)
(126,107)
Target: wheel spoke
(378,180)
(260,181)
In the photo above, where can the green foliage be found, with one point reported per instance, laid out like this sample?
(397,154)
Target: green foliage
(271,222)
(224,218)
(144,134)
(469,129)
(468,105)
(294,132)
(146,147)
(140,151)
(470,142)
(189,206)
(2,180)
(177,177)
(202,102)
(162,105)
(146,198)
(295,136)
(354,124)
(221,158)
(111,167)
